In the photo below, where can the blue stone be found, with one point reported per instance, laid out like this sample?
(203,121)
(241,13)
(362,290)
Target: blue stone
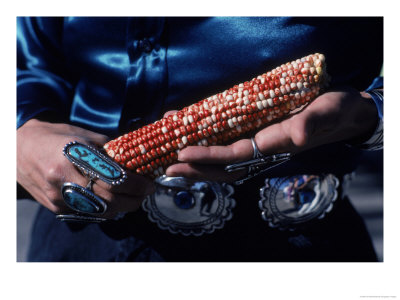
(79,202)
(94,161)
(184,200)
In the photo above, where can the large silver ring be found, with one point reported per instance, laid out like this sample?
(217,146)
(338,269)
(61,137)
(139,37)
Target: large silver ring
(87,206)
(256,155)
(83,200)
(94,165)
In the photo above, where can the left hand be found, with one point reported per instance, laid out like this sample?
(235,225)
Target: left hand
(42,169)
(338,115)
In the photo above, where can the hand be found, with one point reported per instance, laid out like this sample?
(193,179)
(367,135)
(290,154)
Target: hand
(334,116)
(42,168)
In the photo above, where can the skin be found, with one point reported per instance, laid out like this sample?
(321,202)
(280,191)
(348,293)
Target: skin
(340,115)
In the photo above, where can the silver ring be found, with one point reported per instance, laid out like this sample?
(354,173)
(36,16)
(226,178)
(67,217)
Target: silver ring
(83,200)
(93,164)
(258,164)
(256,152)
(89,186)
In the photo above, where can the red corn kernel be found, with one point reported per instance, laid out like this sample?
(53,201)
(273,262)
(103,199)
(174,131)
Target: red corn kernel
(174,145)
(200,134)
(174,156)
(129,165)
(153,152)
(137,151)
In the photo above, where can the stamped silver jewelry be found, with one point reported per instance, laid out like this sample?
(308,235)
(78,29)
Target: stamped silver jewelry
(288,202)
(94,165)
(188,207)
(87,206)
(82,200)
(260,163)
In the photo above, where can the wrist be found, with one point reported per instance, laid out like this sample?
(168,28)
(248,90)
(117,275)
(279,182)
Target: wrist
(372,138)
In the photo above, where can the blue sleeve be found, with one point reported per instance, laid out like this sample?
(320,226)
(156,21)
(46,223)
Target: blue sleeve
(44,86)
(378,99)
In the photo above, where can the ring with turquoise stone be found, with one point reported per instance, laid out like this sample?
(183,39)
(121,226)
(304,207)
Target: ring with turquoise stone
(82,200)
(94,163)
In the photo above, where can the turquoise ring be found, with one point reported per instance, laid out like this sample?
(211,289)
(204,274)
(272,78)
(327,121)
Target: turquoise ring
(95,165)
(82,200)
(87,207)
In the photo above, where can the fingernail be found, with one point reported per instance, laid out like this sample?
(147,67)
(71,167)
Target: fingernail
(170,171)
(181,156)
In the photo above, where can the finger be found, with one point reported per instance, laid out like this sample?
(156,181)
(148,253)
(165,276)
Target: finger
(203,172)
(57,205)
(122,203)
(116,202)
(291,135)
(134,185)
(275,139)
(80,134)
(92,138)
(98,140)
(238,151)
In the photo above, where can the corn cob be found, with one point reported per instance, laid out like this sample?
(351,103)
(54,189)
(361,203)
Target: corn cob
(221,118)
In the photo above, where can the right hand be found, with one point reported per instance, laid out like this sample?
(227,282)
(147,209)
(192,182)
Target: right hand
(42,168)
(344,115)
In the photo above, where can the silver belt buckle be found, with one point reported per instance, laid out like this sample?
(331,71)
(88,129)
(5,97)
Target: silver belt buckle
(189,207)
(288,202)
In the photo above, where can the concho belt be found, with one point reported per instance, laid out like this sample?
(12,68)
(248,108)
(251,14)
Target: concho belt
(189,207)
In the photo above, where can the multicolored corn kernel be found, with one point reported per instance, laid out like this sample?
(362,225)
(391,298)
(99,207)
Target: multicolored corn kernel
(223,117)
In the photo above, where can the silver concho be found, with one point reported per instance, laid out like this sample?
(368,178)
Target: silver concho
(287,202)
(188,207)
